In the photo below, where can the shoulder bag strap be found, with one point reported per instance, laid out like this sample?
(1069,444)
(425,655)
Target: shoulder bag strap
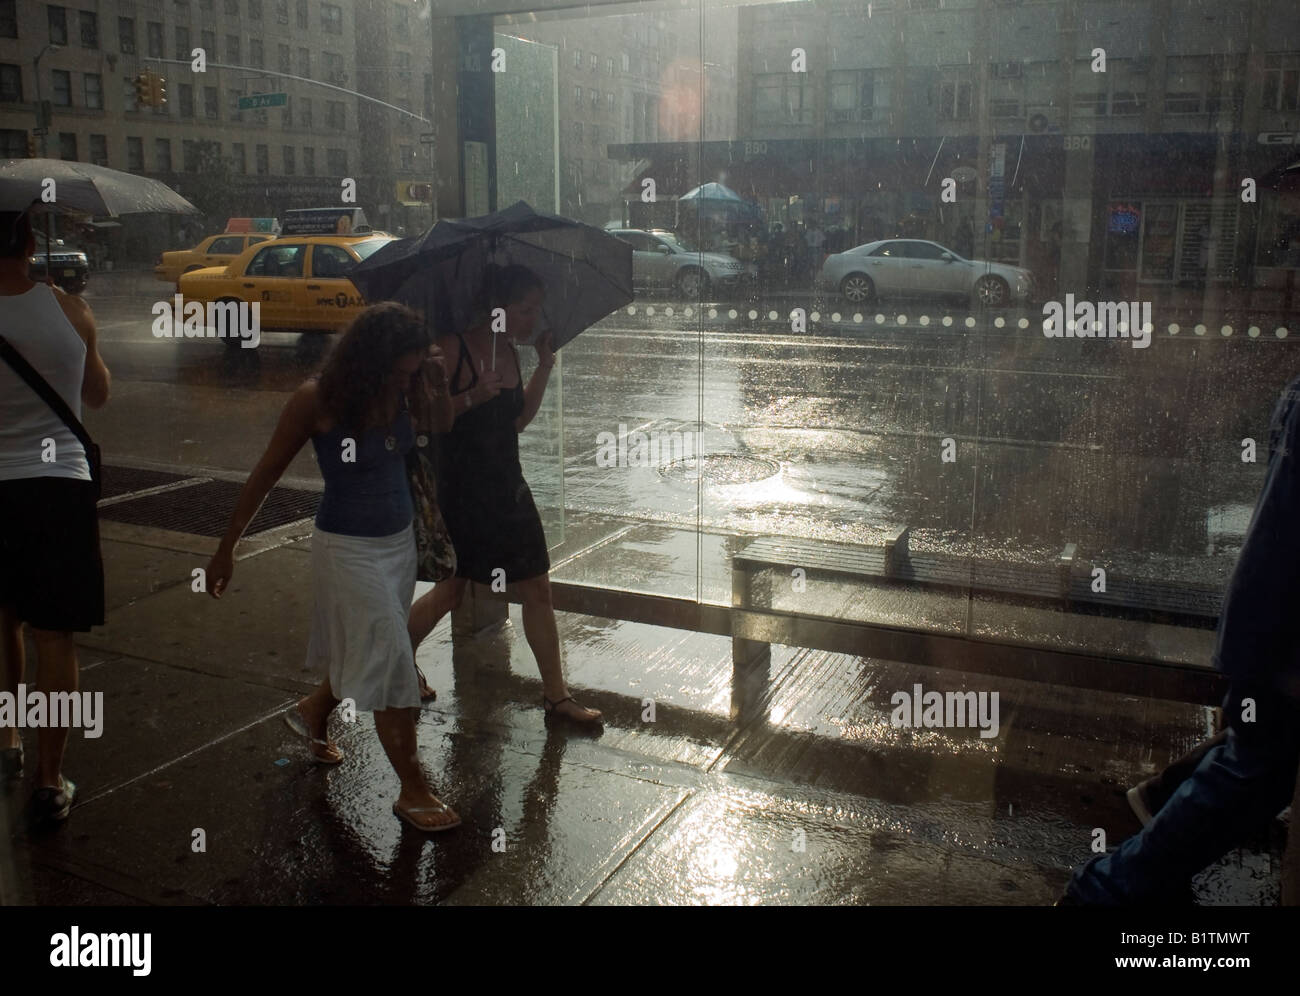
(47,394)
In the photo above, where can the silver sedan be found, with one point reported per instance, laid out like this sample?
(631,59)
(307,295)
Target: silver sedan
(916,268)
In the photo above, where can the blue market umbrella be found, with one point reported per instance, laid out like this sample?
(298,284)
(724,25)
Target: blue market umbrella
(715,198)
(587,272)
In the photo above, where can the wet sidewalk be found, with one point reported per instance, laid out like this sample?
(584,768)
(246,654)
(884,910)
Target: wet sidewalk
(808,796)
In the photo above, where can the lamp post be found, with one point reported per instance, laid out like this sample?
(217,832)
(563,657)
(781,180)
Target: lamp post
(43,130)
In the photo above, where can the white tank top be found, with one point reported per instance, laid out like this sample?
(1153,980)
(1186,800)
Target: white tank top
(36,326)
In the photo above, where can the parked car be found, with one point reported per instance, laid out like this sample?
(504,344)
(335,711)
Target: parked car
(69,266)
(917,268)
(300,282)
(662,259)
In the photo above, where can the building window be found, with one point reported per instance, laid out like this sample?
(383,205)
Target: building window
(782,99)
(300,9)
(9,22)
(956,90)
(286,116)
(232,8)
(135,155)
(594,63)
(232,49)
(208,42)
(336,161)
(402,20)
(61,80)
(609,101)
(232,106)
(162,155)
(89,22)
(11,84)
(255,10)
(126,35)
(58,20)
(189,156)
(626,62)
(609,66)
(187,100)
(334,68)
(255,53)
(262,155)
(290,167)
(304,62)
(13,141)
(238,160)
(1119,91)
(68,146)
(335,115)
(154,39)
(1282,82)
(331,19)
(577,58)
(92,86)
(183,44)
(406,154)
(308,161)
(281,11)
(128,95)
(577,133)
(283,56)
(304,112)
(577,97)
(1202,84)
(211,103)
(99,150)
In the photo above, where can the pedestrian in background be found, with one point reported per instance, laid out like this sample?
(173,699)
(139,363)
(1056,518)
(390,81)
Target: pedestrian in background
(358,416)
(51,573)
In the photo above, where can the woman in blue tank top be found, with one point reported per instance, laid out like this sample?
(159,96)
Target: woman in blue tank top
(383,384)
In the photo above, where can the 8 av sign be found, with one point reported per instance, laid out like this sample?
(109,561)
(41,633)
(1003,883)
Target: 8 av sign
(258,100)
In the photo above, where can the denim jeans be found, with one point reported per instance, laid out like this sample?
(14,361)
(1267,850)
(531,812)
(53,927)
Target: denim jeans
(1236,790)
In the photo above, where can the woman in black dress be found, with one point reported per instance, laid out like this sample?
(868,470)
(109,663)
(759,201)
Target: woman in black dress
(485,501)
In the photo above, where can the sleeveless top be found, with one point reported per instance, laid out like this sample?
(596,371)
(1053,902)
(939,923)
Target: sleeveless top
(366,488)
(37,328)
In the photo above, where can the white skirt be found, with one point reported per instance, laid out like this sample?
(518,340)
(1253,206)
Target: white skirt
(362,588)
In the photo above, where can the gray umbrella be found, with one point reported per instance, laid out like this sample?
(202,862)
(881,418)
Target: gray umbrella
(80,188)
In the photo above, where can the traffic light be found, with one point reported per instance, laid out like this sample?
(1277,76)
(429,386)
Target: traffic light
(159,91)
(143,89)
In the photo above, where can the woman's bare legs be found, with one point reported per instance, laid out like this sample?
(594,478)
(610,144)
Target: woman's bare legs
(316,709)
(396,729)
(544,639)
(427,611)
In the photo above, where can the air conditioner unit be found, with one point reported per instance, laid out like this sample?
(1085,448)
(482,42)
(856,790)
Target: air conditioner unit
(1008,70)
(1041,120)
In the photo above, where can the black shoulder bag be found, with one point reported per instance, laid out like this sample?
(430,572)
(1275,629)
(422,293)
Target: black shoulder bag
(60,407)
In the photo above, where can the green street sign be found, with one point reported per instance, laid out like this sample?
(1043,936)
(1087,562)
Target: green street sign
(259,100)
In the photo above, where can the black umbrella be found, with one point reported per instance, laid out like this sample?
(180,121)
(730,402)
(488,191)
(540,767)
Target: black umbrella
(80,188)
(587,272)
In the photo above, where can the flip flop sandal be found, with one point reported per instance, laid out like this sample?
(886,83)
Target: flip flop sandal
(406,816)
(552,712)
(294,720)
(433,695)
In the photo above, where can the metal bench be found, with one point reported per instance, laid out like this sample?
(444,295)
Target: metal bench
(1064,585)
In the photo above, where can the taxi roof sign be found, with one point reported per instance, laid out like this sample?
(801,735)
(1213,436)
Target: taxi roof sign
(325,221)
(244,225)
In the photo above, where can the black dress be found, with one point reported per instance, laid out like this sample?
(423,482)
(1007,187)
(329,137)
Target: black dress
(485,500)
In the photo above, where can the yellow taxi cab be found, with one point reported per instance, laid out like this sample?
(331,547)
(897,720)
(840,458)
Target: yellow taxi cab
(215,250)
(300,281)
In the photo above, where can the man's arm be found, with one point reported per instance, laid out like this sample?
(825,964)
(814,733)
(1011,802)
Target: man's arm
(96,379)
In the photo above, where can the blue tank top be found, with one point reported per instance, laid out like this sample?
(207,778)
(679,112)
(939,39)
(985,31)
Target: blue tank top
(368,493)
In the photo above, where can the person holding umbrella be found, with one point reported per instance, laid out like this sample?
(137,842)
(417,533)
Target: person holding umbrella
(486,503)
(364,562)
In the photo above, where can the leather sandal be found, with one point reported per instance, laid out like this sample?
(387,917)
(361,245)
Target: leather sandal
(552,711)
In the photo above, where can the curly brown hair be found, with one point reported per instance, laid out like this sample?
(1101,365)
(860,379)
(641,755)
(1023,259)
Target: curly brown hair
(352,379)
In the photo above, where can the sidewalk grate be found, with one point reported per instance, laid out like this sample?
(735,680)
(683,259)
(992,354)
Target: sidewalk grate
(120,481)
(204,509)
